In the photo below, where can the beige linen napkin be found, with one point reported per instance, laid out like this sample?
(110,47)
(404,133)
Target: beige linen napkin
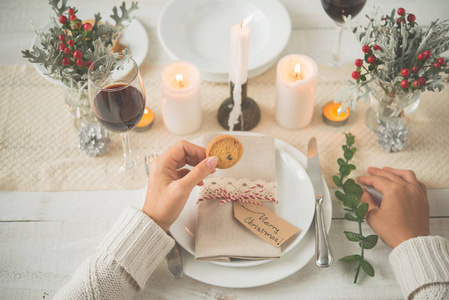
(218,235)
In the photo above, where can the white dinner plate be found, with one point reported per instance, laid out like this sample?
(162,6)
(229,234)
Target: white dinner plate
(199,31)
(296,206)
(135,38)
(272,271)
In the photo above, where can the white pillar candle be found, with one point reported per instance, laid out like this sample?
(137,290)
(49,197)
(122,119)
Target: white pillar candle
(180,89)
(295,91)
(238,73)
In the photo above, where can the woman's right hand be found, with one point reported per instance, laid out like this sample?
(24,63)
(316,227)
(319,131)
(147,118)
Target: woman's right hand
(404,211)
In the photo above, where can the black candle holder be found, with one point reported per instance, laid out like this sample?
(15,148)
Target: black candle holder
(249,117)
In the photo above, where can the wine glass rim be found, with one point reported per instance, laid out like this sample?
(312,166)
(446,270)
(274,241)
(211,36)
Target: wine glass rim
(113,89)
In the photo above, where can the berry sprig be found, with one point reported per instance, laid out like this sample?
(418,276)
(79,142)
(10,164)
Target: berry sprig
(372,61)
(76,33)
(408,78)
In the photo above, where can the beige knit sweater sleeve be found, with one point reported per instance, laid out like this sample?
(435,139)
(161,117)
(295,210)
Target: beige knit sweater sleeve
(421,266)
(124,260)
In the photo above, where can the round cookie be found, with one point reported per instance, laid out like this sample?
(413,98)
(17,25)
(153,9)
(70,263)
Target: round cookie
(227,148)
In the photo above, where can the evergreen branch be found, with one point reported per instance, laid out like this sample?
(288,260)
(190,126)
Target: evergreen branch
(350,195)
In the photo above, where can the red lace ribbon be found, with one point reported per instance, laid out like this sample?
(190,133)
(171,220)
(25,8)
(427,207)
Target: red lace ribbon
(253,193)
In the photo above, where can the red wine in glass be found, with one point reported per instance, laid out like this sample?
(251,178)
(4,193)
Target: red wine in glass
(336,9)
(119,107)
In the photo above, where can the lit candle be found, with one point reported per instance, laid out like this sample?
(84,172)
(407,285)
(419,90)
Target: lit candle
(334,115)
(238,73)
(296,77)
(180,89)
(147,120)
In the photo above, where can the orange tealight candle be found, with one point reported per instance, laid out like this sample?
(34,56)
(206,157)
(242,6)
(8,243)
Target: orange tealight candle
(333,114)
(147,120)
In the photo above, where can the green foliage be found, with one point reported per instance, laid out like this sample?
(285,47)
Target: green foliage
(93,44)
(399,45)
(350,196)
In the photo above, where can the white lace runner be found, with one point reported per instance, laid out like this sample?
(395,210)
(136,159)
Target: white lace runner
(244,190)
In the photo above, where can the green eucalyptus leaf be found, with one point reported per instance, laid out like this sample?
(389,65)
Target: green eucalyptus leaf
(367,267)
(370,241)
(353,237)
(344,170)
(351,187)
(339,195)
(361,210)
(351,200)
(354,150)
(351,217)
(340,161)
(351,258)
(348,154)
(352,167)
(337,180)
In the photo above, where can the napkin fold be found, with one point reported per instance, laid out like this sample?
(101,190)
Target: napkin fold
(218,235)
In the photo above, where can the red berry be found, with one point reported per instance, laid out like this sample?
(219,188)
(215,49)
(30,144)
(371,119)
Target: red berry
(405,84)
(79,62)
(371,59)
(422,81)
(405,72)
(88,64)
(358,62)
(356,75)
(71,11)
(411,18)
(401,11)
(62,19)
(73,17)
(66,61)
(62,47)
(416,83)
(67,50)
(421,56)
(88,27)
(414,69)
(399,21)
(376,47)
(436,65)
(427,54)
(366,49)
(441,61)
(77,54)
(61,37)
(71,42)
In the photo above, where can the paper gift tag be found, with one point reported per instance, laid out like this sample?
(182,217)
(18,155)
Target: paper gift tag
(264,223)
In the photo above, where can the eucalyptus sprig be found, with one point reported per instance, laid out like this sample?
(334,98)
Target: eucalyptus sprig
(356,212)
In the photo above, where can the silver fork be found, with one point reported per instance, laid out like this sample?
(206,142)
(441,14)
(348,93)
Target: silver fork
(174,259)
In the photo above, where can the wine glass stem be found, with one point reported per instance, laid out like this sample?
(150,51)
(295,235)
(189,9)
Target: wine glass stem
(128,162)
(338,33)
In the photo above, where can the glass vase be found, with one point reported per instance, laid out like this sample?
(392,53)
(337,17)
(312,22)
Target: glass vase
(390,103)
(77,101)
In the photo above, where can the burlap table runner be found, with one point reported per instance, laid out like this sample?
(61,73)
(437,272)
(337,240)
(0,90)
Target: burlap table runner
(39,146)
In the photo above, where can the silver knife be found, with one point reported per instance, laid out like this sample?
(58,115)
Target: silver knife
(174,261)
(323,253)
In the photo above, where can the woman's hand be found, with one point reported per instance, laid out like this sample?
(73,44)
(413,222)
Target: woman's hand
(170,184)
(404,211)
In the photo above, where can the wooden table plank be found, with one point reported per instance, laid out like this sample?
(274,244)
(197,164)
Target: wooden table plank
(39,257)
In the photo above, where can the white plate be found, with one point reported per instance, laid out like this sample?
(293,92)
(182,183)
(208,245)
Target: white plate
(135,37)
(272,271)
(296,206)
(199,31)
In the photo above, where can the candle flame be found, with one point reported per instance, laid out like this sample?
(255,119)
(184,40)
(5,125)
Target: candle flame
(180,79)
(297,70)
(246,21)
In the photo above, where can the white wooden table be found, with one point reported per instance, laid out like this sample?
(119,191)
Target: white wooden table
(44,236)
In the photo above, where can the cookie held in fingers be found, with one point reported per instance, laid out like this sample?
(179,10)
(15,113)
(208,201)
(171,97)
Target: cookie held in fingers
(227,148)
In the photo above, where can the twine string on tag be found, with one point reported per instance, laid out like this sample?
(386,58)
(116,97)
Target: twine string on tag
(253,193)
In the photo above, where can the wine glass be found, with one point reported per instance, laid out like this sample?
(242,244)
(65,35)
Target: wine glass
(117,98)
(336,9)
